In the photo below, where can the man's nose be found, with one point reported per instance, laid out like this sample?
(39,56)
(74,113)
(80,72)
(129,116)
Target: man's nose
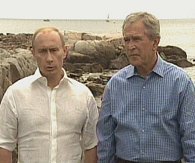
(130,45)
(49,55)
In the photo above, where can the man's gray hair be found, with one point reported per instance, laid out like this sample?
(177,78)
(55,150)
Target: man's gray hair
(150,21)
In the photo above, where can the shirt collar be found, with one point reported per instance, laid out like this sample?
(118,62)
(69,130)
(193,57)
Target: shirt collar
(38,77)
(158,69)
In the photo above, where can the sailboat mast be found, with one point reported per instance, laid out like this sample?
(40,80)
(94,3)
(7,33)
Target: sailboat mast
(108,18)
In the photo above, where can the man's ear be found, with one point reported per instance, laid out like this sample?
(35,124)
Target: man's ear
(156,43)
(66,51)
(32,51)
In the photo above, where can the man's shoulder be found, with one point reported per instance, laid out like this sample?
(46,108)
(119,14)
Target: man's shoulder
(23,82)
(122,73)
(174,69)
(76,82)
(176,73)
(77,86)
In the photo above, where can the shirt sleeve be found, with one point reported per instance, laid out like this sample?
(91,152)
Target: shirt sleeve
(105,131)
(89,130)
(187,123)
(8,122)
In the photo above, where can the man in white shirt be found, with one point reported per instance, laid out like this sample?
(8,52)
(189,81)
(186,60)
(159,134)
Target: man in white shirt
(48,114)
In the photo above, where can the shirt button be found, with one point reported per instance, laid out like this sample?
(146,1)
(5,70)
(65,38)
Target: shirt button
(144,87)
(142,130)
(143,109)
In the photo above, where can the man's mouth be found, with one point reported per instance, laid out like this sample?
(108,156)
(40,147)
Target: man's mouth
(50,68)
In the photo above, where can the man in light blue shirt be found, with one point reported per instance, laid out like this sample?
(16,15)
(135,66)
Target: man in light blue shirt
(148,107)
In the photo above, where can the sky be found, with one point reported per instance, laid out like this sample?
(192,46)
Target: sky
(95,9)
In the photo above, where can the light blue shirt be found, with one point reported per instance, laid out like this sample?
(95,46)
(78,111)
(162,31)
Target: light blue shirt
(148,120)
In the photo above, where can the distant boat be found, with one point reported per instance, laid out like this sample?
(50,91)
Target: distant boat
(46,20)
(108,18)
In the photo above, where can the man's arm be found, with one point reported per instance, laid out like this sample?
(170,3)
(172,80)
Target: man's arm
(8,127)
(105,131)
(187,123)
(91,155)
(5,156)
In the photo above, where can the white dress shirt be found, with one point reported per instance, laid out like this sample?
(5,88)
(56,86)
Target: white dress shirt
(48,124)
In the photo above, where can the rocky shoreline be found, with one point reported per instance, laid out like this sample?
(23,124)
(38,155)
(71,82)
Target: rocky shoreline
(92,59)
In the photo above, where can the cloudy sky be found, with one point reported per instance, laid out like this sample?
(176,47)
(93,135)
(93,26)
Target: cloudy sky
(95,9)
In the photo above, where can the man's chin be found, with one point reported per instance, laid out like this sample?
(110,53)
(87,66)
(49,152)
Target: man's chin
(49,72)
(134,60)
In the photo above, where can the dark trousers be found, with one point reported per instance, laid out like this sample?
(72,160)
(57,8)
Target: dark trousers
(119,160)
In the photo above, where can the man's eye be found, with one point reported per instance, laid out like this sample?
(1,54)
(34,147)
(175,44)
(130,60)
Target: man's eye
(53,50)
(126,39)
(132,39)
(136,38)
(42,51)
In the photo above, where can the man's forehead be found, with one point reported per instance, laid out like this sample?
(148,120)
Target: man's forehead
(133,34)
(46,32)
(48,47)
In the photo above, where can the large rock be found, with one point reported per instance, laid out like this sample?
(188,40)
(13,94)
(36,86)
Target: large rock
(101,52)
(174,55)
(14,65)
